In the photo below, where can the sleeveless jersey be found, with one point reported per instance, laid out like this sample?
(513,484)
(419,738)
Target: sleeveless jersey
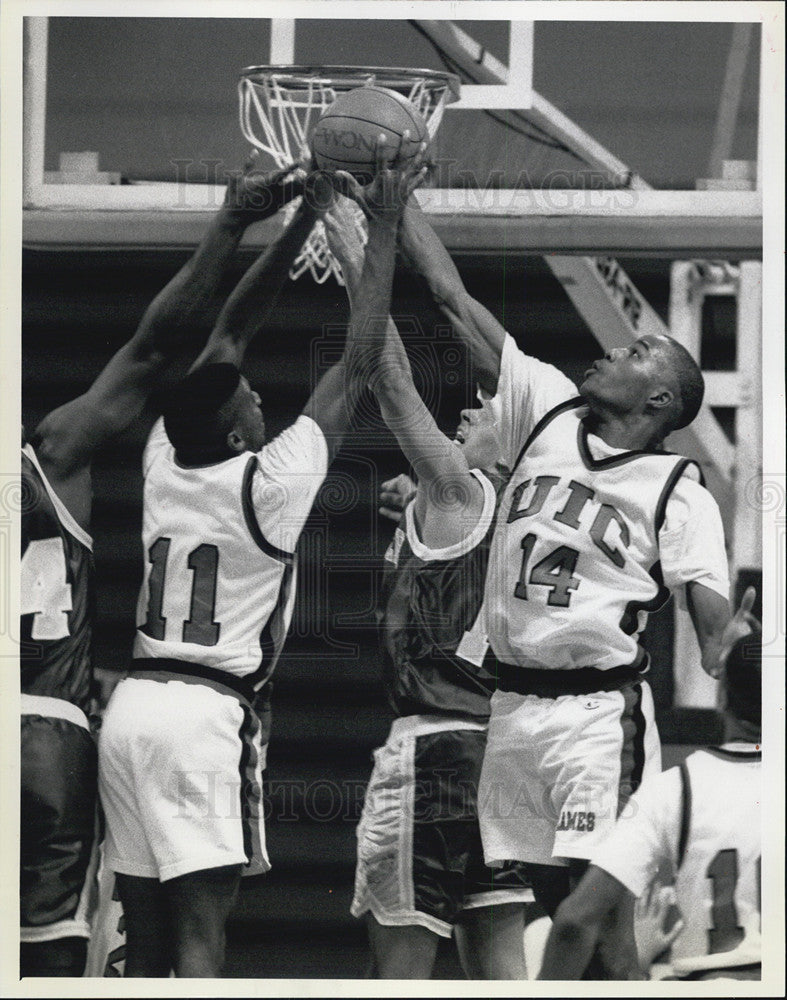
(431,629)
(574,564)
(718,864)
(56,593)
(216,590)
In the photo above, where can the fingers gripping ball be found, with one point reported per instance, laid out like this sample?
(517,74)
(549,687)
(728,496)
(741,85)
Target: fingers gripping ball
(345,137)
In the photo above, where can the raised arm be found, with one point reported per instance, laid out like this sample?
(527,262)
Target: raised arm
(380,360)
(67,437)
(475,325)
(335,396)
(246,310)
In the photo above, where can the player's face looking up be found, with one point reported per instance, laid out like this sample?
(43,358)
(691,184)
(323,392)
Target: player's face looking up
(478,437)
(631,379)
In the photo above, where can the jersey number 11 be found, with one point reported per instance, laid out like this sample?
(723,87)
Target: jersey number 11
(199,627)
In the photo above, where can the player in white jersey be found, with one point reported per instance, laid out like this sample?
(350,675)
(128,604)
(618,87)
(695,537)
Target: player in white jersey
(701,822)
(597,526)
(184,736)
(57,750)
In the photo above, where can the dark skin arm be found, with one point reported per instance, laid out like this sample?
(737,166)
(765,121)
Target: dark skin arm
(475,325)
(246,310)
(599,913)
(334,398)
(67,438)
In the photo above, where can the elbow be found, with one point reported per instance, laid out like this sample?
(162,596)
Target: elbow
(576,929)
(569,931)
(449,295)
(390,382)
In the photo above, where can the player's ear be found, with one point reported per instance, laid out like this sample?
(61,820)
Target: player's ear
(660,399)
(236,441)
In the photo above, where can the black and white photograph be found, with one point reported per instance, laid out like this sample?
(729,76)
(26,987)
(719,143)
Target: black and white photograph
(394,571)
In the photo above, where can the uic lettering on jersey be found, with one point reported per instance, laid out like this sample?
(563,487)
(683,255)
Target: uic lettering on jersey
(571,499)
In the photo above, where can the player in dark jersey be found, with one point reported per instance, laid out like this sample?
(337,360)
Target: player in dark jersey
(420,873)
(58,756)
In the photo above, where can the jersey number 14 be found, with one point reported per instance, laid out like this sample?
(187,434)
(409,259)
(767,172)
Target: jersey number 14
(555,571)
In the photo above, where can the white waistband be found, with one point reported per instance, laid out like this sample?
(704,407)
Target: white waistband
(421,725)
(54,708)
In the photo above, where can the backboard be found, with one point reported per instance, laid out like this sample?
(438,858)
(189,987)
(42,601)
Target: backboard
(153,99)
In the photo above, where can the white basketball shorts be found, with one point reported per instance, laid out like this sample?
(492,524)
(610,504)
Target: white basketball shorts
(180,780)
(558,771)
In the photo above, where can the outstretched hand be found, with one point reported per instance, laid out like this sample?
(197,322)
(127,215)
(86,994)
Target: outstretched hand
(253,194)
(657,922)
(319,190)
(393,183)
(343,231)
(742,623)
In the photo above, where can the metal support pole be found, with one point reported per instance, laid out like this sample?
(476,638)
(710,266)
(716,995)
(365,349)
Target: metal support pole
(282,41)
(730,100)
(747,534)
(34,106)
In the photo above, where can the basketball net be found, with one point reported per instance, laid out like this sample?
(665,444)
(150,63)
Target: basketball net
(279,107)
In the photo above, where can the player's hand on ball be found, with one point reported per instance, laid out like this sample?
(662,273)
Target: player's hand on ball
(254,194)
(393,183)
(319,191)
(394,494)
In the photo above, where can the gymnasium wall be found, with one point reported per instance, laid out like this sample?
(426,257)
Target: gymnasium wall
(329,712)
(155,97)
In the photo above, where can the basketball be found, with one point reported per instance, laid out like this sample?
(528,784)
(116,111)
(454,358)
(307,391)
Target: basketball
(346,135)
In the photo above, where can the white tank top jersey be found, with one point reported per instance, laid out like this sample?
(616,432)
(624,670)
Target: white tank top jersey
(219,542)
(702,822)
(589,538)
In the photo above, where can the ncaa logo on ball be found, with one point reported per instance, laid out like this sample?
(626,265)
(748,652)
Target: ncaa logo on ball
(342,140)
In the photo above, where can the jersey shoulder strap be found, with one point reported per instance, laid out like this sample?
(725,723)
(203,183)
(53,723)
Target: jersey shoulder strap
(63,514)
(250,517)
(672,480)
(685,812)
(549,416)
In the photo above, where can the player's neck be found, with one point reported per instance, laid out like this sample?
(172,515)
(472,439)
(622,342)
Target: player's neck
(631,432)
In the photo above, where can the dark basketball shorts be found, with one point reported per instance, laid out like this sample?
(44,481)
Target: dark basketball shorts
(420,859)
(58,821)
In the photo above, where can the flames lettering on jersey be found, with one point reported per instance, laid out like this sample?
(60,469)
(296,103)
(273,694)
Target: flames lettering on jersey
(582,822)
(579,496)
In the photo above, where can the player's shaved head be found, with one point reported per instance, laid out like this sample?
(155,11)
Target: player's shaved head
(199,413)
(687,384)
